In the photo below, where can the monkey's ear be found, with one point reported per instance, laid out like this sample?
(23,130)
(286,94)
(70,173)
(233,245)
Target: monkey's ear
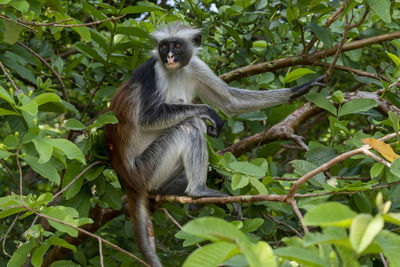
(197,40)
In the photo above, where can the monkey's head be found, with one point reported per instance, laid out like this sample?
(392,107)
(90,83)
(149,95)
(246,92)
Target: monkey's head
(176,45)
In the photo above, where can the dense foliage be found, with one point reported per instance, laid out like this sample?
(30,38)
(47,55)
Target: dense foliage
(332,200)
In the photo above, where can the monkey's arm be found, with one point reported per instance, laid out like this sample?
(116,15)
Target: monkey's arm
(168,115)
(234,100)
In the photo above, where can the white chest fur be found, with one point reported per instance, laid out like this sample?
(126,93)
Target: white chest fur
(179,87)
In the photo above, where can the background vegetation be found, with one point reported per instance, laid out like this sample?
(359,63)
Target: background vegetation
(318,178)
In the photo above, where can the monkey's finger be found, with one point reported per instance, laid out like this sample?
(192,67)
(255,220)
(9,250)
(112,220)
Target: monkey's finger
(318,84)
(320,78)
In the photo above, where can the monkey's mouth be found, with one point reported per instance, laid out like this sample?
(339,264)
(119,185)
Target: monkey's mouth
(172,65)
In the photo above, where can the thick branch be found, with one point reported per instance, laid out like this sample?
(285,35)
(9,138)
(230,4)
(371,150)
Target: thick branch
(285,129)
(304,59)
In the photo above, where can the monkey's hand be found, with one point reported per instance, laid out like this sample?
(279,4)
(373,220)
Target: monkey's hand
(304,88)
(216,123)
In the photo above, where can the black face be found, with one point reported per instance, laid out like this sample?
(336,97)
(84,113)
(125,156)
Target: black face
(175,53)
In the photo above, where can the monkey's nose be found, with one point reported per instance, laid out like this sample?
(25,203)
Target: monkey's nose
(170,58)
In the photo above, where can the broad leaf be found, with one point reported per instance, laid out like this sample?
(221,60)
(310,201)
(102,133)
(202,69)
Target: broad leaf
(363,230)
(296,74)
(211,255)
(357,105)
(381,8)
(329,214)
(321,101)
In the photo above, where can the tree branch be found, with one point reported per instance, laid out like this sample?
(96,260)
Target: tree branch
(304,59)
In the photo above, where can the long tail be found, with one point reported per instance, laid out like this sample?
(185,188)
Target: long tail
(142,226)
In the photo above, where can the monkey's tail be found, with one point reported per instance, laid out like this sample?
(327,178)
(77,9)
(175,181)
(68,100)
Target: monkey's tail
(138,203)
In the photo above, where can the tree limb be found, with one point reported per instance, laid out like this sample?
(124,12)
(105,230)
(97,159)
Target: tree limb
(304,59)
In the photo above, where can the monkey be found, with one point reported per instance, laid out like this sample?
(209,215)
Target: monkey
(158,144)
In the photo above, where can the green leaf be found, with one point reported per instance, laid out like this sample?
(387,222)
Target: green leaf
(113,197)
(322,34)
(265,254)
(68,148)
(211,255)
(239,181)
(44,149)
(4,111)
(93,173)
(5,154)
(394,119)
(247,168)
(46,170)
(73,170)
(395,58)
(6,96)
(21,254)
(260,187)
(302,167)
(392,218)
(65,214)
(64,263)
(91,52)
(12,32)
(376,169)
(140,9)
(296,74)
(17,68)
(20,5)
(363,230)
(321,101)
(302,255)
(10,211)
(216,229)
(74,124)
(358,105)
(389,244)
(132,31)
(106,118)
(329,214)
(395,167)
(47,97)
(252,225)
(189,239)
(83,31)
(381,8)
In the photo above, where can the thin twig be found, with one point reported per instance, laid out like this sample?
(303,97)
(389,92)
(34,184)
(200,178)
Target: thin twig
(76,178)
(339,48)
(330,20)
(352,70)
(361,20)
(19,23)
(9,77)
(8,170)
(64,89)
(101,252)
(4,237)
(299,215)
(174,221)
(284,224)
(383,260)
(376,158)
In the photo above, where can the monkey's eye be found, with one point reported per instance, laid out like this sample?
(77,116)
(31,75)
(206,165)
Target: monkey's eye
(164,46)
(177,45)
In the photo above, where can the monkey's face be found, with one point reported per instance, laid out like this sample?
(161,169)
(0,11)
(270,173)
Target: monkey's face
(174,53)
